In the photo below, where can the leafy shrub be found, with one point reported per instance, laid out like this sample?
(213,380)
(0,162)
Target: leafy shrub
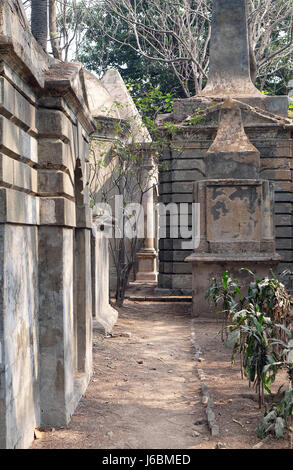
(251,333)
(257,325)
(225,294)
(278,418)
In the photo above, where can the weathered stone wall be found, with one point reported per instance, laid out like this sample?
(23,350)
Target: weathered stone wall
(270,134)
(104,315)
(65,251)
(45,234)
(19,369)
(19,218)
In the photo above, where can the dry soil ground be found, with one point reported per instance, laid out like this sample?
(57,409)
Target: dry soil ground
(145,391)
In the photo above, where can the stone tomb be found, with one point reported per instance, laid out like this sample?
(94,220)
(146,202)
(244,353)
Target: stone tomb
(236,222)
(186,157)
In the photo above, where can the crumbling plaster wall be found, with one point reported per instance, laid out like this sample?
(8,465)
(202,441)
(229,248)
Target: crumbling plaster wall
(19,219)
(45,234)
(19,370)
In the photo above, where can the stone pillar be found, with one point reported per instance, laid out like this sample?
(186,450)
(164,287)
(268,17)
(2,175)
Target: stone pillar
(147,256)
(237,212)
(65,308)
(83,299)
(56,320)
(104,315)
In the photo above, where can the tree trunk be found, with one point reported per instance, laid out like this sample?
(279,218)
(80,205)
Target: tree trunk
(122,283)
(39,21)
(53,30)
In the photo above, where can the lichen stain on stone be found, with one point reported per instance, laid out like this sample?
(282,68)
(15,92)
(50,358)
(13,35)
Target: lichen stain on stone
(250,194)
(217,192)
(219,207)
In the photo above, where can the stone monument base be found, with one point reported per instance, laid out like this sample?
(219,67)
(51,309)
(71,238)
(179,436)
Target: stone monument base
(206,266)
(270,104)
(147,265)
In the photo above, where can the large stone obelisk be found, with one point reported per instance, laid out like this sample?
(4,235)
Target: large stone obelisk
(229,72)
(229,69)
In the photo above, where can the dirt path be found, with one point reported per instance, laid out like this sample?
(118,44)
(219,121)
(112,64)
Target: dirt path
(235,404)
(144,392)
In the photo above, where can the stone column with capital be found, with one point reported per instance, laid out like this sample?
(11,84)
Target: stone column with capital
(147,255)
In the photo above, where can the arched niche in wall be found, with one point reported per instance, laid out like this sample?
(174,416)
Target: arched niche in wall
(80,273)
(78,194)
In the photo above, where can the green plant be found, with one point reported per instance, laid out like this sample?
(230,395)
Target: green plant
(259,332)
(226,294)
(270,295)
(278,418)
(251,332)
(258,329)
(197,117)
(151,103)
(285,355)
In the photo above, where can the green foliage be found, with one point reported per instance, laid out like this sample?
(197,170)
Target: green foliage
(252,334)
(258,325)
(259,331)
(262,293)
(278,418)
(225,292)
(151,102)
(99,53)
(196,117)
